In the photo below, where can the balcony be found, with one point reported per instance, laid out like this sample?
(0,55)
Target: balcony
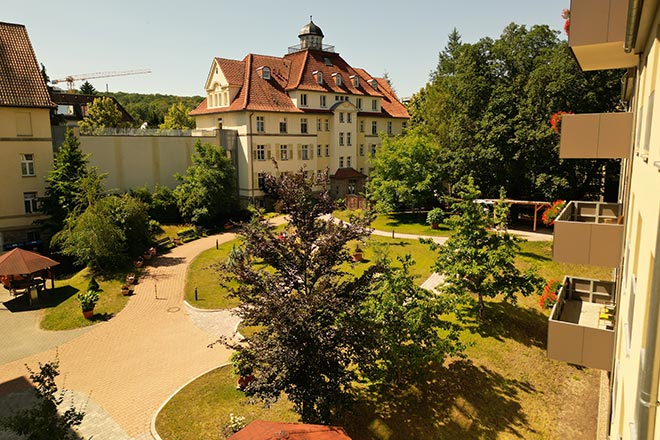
(581,325)
(596,136)
(589,233)
(597,34)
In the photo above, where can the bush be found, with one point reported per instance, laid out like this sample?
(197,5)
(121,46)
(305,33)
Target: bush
(435,216)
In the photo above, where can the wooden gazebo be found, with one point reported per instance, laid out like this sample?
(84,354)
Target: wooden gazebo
(21,269)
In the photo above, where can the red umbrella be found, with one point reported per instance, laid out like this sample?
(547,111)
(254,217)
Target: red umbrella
(21,262)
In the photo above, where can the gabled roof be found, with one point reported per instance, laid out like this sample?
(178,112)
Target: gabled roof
(21,82)
(233,70)
(264,430)
(347,173)
(78,100)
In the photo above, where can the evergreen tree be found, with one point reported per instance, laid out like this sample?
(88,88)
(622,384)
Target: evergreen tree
(87,88)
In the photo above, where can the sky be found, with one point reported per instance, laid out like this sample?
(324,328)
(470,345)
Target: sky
(177,40)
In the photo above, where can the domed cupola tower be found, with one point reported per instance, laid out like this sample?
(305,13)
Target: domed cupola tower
(311,36)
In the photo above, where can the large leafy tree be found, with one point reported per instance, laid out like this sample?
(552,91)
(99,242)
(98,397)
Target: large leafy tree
(207,192)
(178,117)
(72,183)
(474,261)
(294,287)
(407,172)
(102,113)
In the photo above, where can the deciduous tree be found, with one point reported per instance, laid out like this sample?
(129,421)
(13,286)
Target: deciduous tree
(178,117)
(102,113)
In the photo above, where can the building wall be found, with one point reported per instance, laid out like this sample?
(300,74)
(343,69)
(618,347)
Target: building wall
(133,161)
(640,247)
(22,131)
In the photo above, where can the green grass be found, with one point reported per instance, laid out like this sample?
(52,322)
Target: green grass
(402,223)
(61,310)
(202,275)
(201,410)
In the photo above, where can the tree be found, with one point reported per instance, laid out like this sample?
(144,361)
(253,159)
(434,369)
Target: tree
(407,172)
(207,192)
(476,262)
(71,184)
(178,117)
(306,307)
(42,421)
(87,88)
(411,331)
(103,113)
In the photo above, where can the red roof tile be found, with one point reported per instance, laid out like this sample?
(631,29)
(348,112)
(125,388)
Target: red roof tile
(233,70)
(21,83)
(263,430)
(347,173)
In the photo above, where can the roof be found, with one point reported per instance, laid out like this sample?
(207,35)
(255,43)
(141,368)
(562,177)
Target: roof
(310,29)
(296,71)
(78,100)
(21,82)
(263,430)
(20,262)
(347,173)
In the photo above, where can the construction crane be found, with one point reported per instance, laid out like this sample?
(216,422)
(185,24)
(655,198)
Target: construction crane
(85,76)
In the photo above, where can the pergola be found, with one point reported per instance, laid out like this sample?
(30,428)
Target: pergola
(536,204)
(21,269)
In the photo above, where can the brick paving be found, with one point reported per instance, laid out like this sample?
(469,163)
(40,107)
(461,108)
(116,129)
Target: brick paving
(128,366)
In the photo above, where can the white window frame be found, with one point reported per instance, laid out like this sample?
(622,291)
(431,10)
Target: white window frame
(349,118)
(283,126)
(323,101)
(261,124)
(389,127)
(303,99)
(30,202)
(348,139)
(341,139)
(341,161)
(358,103)
(284,152)
(374,127)
(303,125)
(304,152)
(374,104)
(318,150)
(341,116)
(261,180)
(27,165)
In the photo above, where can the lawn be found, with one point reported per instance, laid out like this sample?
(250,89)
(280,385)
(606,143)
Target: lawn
(61,309)
(402,223)
(506,387)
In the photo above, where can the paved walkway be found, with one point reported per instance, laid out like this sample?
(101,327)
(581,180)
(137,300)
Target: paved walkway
(127,367)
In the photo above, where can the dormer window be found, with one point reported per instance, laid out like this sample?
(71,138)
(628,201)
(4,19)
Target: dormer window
(337,77)
(356,81)
(373,83)
(319,76)
(264,72)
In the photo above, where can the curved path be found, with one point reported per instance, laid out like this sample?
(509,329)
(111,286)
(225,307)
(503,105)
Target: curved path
(129,365)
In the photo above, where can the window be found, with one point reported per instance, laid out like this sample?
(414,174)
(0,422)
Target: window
(361,126)
(374,127)
(348,139)
(261,152)
(389,127)
(318,150)
(341,116)
(303,99)
(323,103)
(374,104)
(356,81)
(361,149)
(362,170)
(319,76)
(341,161)
(358,103)
(318,124)
(260,124)
(349,118)
(303,125)
(348,161)
(283,125)
(373,150)
(27,164)
(261,180)
(304,152)
(341,139)
(265,72)
(327,124)
(337,78)
(404,125)
(284,152)
(327,151)
(31,203)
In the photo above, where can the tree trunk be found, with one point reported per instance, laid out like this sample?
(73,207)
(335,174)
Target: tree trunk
(482,306)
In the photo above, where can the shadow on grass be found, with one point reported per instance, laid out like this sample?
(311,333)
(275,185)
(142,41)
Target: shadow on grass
(47,299)
(101,317)
(410,218)
(459,401)
(507,321)
(533,256)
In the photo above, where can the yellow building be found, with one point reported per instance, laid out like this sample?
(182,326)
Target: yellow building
(308,109)
(613,324)
(25,138)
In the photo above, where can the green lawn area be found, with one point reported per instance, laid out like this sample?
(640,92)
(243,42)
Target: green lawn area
(201,410)
(402,223)
(61,309)
(506,387)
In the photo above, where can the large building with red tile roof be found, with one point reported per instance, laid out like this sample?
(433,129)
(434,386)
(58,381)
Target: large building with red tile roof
(308,109)
(25,138)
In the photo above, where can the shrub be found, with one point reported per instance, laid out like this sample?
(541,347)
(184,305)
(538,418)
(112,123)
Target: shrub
(435,216)
(549,296)
(88,300)
(550,214)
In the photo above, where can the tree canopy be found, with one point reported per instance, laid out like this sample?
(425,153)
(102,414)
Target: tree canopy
(178,117)
(102,113)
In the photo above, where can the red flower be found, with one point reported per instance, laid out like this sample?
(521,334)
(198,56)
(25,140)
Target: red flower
(555,120)
(549,215)
(567,25)
(550,292)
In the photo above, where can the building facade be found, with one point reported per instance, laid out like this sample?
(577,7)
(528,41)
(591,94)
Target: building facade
(306,110)
(613,324)
(25,139)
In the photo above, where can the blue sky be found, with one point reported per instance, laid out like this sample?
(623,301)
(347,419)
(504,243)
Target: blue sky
(177,40)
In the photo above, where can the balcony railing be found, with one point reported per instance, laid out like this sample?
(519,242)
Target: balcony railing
(589,233)
(299,47)
(147,132)
(596,136)
(581,325)
(597,33)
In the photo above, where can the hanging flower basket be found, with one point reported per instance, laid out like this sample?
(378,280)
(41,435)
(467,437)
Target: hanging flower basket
(550,214)
(555,120)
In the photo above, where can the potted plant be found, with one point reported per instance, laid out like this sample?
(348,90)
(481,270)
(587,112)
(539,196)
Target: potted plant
(357,255)
(125,289)
(87,301)
(130,278)
(139,262)
(435,217)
